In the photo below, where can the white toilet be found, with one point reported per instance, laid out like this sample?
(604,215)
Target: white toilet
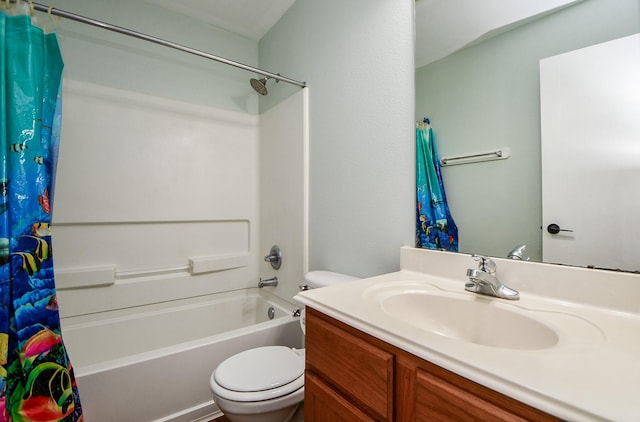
(266,384)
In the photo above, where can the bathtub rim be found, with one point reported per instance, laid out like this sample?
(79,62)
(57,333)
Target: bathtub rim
(79,321)
(286,308)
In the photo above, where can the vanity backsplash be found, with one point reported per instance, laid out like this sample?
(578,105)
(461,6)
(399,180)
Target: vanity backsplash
(614,290)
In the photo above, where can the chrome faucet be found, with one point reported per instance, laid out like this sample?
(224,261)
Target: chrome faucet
(518,253)
(484,280)
(268,282)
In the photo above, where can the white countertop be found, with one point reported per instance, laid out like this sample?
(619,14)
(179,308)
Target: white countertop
(592,373)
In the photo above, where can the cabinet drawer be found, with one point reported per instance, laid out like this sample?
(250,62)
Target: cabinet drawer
(323,404)
(448,397)
(360,371)
(439,400)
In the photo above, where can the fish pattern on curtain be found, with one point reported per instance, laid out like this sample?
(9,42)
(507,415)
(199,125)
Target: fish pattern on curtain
(435,228)
(36,377)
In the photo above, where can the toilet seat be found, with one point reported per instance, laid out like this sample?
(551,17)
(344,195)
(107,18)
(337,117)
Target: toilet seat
(259,374)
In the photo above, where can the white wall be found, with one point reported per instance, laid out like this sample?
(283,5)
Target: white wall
(357,57)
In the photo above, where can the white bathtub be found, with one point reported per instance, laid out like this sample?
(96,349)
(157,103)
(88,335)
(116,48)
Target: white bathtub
(153,363)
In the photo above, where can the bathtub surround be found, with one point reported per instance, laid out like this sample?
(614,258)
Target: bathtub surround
(283,152)
(156,184)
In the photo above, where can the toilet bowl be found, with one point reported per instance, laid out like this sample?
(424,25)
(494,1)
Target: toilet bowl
(260,384)
(266,384)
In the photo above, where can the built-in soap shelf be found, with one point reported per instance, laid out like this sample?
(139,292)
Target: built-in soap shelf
(106,275)
(76,278)
(211,264)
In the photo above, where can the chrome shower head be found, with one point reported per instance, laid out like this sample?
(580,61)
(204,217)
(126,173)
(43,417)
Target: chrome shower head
(259,85)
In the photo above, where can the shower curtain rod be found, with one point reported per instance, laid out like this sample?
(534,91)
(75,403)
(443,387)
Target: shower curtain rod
(139,35)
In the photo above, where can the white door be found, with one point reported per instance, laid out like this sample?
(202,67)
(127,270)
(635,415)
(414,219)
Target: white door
(590,115)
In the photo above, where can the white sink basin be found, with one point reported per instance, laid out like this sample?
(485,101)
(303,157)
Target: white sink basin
(465,317)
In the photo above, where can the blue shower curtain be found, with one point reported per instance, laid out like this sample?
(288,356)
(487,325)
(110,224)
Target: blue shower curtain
(435,228)
(36,377)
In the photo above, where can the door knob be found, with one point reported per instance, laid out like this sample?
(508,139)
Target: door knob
(555,229)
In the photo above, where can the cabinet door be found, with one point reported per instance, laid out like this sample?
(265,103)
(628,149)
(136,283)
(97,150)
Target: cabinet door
(358,369)
(439,400)
(323,404)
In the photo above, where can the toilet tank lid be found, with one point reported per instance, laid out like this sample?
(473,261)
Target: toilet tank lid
(316,279)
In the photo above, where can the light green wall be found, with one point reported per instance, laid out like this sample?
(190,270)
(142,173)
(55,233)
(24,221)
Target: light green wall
(486,97)
(106,58)
(357,57)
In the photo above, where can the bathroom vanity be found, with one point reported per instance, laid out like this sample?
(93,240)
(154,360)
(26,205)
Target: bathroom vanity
(415,346)
(353,376)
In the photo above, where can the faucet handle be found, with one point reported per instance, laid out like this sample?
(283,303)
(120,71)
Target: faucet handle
(274,257)
(485,264)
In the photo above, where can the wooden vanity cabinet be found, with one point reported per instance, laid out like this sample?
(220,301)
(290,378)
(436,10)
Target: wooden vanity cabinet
(348,365)
(352,376)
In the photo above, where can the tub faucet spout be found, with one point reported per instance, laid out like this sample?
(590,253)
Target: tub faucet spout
(484,280)
(268,282)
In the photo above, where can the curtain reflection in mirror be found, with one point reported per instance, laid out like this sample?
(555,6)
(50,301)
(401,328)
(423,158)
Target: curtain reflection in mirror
(435,228)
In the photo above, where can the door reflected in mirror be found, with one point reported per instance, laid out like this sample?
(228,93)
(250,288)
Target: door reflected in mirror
(590,113)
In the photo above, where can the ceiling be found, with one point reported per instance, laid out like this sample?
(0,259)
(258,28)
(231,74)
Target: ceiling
(442,26)
(251,18)
(445,26)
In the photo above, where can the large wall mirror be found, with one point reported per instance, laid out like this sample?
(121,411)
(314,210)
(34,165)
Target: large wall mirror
(482,93)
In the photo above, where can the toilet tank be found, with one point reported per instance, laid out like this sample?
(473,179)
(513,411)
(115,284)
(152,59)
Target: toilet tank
(317,279)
